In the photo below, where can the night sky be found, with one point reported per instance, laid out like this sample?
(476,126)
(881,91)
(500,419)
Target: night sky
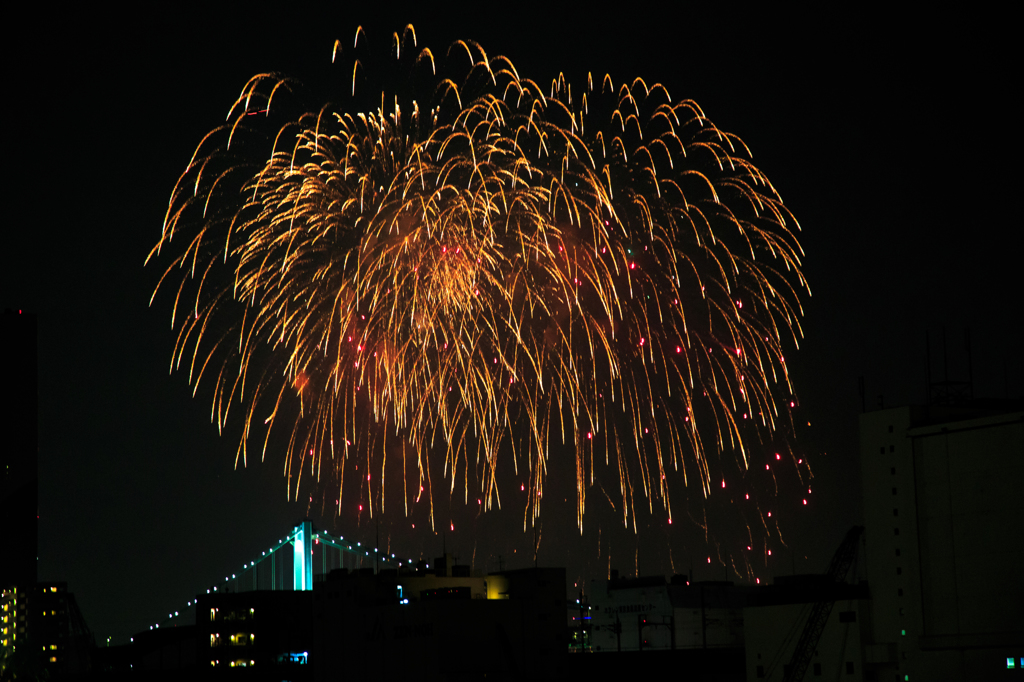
(887,136)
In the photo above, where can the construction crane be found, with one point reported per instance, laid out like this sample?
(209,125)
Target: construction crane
(821,610)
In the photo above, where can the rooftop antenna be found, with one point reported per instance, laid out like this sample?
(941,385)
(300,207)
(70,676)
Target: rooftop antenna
(928,365)
(970,364)
(945,358)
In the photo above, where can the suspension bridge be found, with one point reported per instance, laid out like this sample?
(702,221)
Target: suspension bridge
(294,562)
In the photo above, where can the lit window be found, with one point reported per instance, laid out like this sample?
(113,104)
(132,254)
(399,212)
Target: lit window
(1010,663)
(903,633)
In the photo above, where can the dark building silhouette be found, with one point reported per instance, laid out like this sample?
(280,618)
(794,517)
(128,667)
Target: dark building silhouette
(19,454)
(420,624)
(58,635)
(19,477)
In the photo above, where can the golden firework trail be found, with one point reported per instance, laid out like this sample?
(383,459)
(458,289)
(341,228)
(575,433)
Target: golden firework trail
(474,276)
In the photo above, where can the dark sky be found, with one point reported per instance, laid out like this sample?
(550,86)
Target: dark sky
(887,136)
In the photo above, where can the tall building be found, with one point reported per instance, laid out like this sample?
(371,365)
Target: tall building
(19,453)
(19,445)
(944,520)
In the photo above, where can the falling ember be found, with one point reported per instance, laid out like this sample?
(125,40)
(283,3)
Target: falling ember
(353,274)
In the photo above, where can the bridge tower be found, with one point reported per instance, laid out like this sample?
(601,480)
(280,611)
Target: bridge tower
(302,577)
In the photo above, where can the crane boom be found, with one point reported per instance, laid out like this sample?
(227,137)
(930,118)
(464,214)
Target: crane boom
(822,609)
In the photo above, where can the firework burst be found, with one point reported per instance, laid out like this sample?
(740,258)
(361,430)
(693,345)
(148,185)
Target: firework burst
(456,277)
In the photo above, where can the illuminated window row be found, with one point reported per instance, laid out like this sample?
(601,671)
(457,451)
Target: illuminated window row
(238,639)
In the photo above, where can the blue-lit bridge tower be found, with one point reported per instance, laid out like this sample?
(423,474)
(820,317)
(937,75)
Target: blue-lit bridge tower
(313,552)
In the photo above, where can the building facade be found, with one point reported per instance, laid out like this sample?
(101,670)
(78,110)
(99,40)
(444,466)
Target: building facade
(943,521)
